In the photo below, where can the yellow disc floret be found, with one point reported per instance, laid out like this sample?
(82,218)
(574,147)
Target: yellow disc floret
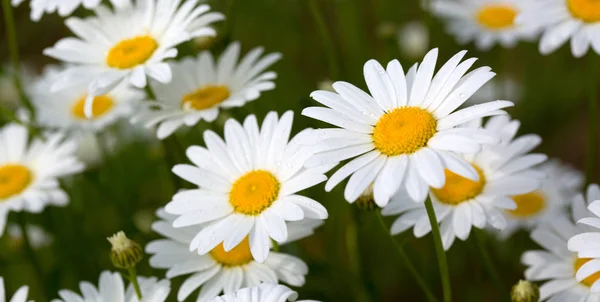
(459,189)
(239,255)
(205,97)
(131,52)
(14,179)
(497,16)
(585,10)
(528,205)
(254,192)
(590,279)
(403,130)
(101,105)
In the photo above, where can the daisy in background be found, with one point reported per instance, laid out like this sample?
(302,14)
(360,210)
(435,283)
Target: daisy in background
(262,293)
(578,20)
(19,296)
(413,39)
(38,237)
(543,205)
(63,7)
(559,266)
(111,288)
(29,172)
(220,271)
(64,109)
(248,186)
(405,133)
(129,42)
(486,22)
(505,170)
(587,244)
(201,87)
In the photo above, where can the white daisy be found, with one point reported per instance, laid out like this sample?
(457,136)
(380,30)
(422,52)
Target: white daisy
(201,86)
(486,22)
(65,108)
(248,185)
(587,244)
(543,205)
(504,170)
(557,264)
(111,288)
(63,7)
(130,41)
(262,293)
(19,296)
(578,20)
(405,134)
(218,271)
(29,173)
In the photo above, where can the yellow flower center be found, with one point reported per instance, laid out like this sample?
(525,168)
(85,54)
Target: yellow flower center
(585,10)
(254,192)
(528,205)
(459,189)
(239,255)
(13,180)
(497,16)
(101,105)
(403,130)
(205,97)
(592,278)
(131,52)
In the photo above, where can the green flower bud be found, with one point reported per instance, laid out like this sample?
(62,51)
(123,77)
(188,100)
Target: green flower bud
(525,291)
(125,253)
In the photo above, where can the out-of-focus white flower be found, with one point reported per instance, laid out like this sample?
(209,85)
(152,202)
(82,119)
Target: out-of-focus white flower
(38,237)
(63,7)
(413,39)
(504,88)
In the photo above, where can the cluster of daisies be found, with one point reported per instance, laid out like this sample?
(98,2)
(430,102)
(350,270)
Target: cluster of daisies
(409,140)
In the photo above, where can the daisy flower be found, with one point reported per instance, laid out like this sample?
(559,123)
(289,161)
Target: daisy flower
(541,206)
(248,185)
(413,39)
(559,266)
(218,271)
(64,109)
(111,288)
(129,42)
(486,22)
(260,293)
(38,237)
(586,244)
(562,20)
(201,86)
(19,296)
(404,134)
(63,7)
(506,87)
(29,172)
(505,170)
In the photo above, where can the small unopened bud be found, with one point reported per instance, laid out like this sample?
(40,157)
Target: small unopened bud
(366,201)
(125,253)
(525,291)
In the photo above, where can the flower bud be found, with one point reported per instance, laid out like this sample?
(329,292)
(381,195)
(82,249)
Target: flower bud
(125,253)
(525,291)
(366,201)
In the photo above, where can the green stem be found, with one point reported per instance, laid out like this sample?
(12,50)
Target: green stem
(13,50)
(326,39)
(591,160)
(354,258)
(134,282)
(439,250)
(489,266)
(406,261)
(31,254)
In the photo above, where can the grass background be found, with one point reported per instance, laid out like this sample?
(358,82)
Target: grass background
(134,180)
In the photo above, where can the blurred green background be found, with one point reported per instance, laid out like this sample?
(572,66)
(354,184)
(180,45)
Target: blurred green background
(135,179)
